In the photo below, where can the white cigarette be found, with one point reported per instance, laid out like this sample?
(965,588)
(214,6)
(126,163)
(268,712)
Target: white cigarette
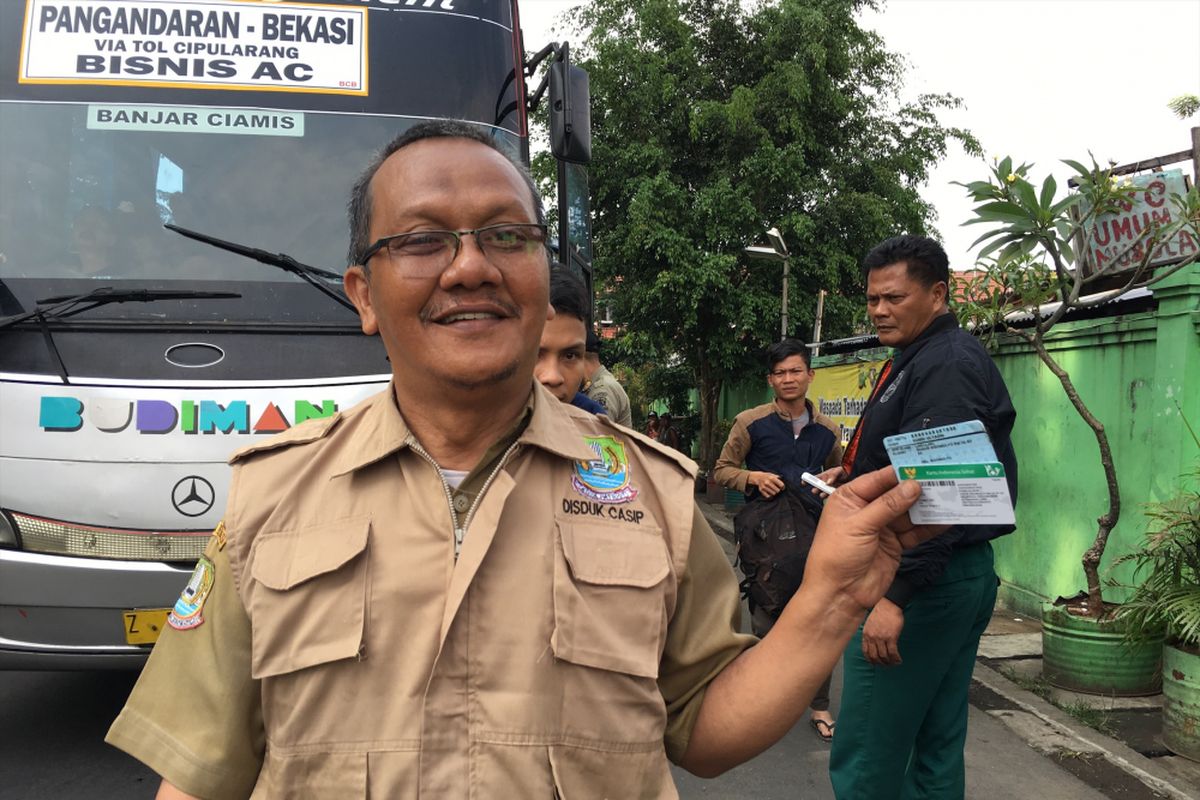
(817,483)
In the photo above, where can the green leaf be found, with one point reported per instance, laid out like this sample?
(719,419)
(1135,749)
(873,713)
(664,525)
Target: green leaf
(1063,228)
(1014,249)
(1068,252)
(1001,211)
(986,236)
(1024,192)
(1049,187)
(991,248)
(1064,204)
(1075,165)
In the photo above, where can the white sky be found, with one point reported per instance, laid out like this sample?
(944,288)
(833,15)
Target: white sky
(1041,80)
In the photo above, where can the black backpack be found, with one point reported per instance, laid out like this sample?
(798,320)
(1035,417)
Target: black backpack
(773,538)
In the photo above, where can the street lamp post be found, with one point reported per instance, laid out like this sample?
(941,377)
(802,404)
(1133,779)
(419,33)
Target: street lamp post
(776,252)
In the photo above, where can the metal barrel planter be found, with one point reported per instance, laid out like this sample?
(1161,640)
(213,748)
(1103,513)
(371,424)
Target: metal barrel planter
(1181,702)
(734,500)
(1088,655)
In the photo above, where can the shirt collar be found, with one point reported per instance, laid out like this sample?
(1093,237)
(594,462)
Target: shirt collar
(942,322)
(808,407)
(384,432)
(552,428)
(381,433)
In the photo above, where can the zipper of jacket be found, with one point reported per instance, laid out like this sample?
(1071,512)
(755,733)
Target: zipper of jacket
(460,530)
(486,484)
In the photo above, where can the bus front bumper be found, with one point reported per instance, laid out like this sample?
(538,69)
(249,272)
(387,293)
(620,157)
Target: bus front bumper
(61,612)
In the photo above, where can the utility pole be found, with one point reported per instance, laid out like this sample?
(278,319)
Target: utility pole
(783,322)
(776,252)
(817,325)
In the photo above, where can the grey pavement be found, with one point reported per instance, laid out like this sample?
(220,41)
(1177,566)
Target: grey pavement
(1018,744)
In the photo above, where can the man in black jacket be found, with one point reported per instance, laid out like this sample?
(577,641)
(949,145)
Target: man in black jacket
(904,699)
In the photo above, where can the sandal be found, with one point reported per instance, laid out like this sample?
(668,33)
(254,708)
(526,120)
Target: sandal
(818,724)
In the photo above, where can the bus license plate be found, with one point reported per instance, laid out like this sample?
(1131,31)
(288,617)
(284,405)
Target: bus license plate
(143,625)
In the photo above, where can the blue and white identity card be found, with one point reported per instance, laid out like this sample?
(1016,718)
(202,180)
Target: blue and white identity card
(962,481)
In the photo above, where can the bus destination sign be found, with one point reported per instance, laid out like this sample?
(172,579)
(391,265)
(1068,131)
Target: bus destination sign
(276,47)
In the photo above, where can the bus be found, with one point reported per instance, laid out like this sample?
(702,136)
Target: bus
(134,359)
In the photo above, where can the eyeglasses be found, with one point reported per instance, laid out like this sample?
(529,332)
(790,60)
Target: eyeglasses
(788,373)
(425,254)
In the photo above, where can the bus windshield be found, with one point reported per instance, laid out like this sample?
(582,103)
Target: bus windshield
(244,121)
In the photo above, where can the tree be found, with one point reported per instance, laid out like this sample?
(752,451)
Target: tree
(1184,106)
(1036,251)
(714,120)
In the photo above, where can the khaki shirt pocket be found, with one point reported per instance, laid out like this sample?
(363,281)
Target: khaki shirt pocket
(610,604)
(308,596)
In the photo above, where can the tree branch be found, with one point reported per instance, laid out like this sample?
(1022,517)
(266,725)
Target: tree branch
(1107,521)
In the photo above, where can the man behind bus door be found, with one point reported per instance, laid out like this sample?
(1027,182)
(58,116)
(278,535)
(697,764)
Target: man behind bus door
(373,622)
(603,387)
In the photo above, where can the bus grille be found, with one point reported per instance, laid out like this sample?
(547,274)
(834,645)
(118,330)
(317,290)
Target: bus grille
(40,535)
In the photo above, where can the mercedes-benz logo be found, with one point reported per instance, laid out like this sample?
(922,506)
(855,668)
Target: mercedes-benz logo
(193,496)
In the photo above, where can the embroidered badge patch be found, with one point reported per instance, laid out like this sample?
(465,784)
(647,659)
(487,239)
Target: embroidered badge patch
(219,535)
(186,614)
(891,390)
(606,478)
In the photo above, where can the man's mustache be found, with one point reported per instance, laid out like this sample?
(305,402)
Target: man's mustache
(507,307)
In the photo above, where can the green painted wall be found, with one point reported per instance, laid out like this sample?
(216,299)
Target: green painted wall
(736,399)
(1138,374)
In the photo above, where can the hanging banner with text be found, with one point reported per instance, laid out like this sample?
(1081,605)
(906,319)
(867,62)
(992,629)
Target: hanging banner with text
(1117,242)
(841,392)
(279,47)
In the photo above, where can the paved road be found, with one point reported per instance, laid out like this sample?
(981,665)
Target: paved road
(51,739)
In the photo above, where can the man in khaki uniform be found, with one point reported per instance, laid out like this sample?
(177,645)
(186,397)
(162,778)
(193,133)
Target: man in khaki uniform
(461,587)
(603,387)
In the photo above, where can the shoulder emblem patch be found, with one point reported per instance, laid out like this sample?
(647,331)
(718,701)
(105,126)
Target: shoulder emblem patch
(219,535)
(188,608)
(605,479)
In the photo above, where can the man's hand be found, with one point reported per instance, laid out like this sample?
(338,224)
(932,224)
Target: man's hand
(759,696)
(833,476)
(168,791)
(768,485)
(862,532)
(881,634)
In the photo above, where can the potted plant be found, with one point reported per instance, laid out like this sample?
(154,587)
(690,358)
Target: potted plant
(1167,596)
(1032,268)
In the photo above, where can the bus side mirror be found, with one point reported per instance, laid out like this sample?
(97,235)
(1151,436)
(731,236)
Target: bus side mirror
(570,113)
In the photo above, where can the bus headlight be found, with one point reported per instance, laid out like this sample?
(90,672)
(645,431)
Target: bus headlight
(41,535)
(8,533)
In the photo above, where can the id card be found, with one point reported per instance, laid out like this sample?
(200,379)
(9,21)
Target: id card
(962,480)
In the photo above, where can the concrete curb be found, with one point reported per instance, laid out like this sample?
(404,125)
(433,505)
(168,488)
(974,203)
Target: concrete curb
(1116,753)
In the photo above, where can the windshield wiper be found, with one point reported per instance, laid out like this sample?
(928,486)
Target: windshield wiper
(280,260)
(63,306)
